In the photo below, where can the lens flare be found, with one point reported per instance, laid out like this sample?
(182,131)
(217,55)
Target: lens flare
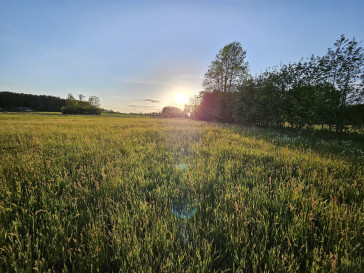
(183,212)
(181,166)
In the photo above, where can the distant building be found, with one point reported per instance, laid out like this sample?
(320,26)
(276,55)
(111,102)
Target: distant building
(24,109)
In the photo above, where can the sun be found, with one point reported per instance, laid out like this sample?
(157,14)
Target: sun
(181,98)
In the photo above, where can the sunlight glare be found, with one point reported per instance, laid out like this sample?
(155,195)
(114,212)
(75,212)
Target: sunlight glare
(181,98)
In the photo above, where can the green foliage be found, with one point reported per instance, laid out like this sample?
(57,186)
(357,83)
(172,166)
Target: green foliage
(95,194)
(228,69)
(354,115)
(173,112)
(10,101)
(259,101)
(214,106)
(81,107)
(343,67)
(317,91)
(204,105)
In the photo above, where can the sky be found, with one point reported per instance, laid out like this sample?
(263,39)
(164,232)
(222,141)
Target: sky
(137,55)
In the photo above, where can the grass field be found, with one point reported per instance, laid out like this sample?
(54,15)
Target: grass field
(109,194)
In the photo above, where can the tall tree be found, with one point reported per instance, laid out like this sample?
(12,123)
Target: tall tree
(228,69)
(81,97)
(344,67)
(94,101)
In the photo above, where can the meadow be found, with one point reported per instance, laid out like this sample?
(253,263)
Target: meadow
(110,194)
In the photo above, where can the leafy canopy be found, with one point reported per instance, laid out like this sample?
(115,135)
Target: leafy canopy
(228,69)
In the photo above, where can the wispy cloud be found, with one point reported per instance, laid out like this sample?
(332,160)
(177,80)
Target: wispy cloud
(141,106)
(152,101)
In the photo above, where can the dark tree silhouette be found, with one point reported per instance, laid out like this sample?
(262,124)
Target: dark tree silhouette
(173,112)
(11,100)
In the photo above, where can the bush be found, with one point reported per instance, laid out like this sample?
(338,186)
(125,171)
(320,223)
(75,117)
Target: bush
(81,110)
(173,112)
(81,107)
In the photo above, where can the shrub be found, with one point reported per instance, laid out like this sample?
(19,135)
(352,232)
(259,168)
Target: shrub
(173,112)
(81,107)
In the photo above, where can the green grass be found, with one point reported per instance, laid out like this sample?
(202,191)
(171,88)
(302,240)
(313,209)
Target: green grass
(96,194)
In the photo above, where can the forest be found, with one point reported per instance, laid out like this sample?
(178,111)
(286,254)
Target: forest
(10,101)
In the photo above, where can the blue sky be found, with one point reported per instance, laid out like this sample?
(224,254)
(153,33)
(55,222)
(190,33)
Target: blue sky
(129,52)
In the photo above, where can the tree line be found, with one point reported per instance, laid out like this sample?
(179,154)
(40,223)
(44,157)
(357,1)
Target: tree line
(326,90)
(10,101)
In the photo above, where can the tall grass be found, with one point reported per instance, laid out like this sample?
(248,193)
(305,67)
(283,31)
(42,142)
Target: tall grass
(100,194)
